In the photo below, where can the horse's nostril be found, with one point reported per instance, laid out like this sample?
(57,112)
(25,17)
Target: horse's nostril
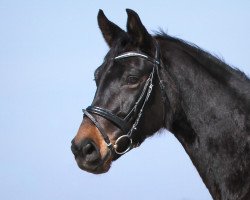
(90,152)
(89,148)
(86,151)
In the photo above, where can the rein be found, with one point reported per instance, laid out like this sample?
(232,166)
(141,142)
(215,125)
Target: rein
(122,123)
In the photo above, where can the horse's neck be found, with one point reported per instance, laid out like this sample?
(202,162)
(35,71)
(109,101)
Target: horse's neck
(212,127)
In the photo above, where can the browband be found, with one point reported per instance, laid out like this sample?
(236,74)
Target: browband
(136,54)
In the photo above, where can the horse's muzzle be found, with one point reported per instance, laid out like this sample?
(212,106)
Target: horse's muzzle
(88,157)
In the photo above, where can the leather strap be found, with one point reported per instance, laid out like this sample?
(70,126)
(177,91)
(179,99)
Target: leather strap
(96,123)
(121,123)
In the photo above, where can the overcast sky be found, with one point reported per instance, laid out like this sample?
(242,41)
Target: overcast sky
(48,53)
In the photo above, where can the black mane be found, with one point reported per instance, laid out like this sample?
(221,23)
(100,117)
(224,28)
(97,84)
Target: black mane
(236,80)
(213,64)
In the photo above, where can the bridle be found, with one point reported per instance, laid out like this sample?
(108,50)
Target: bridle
(123,123)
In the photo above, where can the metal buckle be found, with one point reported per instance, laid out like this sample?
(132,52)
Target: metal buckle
(123,140)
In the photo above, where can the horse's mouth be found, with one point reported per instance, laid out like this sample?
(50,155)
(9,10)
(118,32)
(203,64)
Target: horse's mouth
(97,167)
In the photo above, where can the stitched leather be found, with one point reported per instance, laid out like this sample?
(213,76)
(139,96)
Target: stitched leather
(121,123)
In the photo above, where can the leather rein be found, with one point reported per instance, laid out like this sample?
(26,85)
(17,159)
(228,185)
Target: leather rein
(122,123)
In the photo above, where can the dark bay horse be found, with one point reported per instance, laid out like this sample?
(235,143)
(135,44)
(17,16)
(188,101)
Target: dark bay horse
(151,82)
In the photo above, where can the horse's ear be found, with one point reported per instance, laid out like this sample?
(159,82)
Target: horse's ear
(137,31)
(110,31)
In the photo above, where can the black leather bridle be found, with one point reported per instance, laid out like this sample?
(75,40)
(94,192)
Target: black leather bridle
(123,123)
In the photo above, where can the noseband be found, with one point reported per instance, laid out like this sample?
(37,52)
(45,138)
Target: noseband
(123,123)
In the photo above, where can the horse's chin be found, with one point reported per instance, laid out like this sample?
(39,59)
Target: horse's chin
(97,170)
(102,167)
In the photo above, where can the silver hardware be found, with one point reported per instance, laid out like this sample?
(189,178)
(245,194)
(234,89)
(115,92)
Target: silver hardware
(123,137)
(131,54)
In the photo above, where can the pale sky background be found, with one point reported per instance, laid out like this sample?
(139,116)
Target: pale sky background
(48,53)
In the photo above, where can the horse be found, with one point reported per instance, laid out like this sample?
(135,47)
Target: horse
(152,82)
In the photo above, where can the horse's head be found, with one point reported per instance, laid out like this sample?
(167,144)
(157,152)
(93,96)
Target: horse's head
(130,101)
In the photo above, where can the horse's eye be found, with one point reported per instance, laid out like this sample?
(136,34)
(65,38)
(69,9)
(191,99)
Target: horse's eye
(132,80)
